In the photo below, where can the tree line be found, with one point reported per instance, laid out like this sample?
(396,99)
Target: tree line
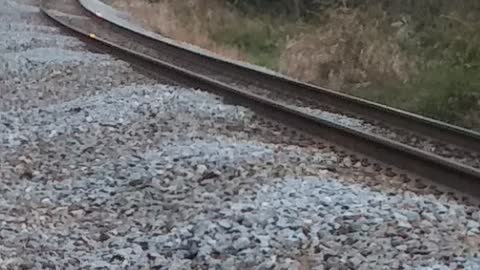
(299,8)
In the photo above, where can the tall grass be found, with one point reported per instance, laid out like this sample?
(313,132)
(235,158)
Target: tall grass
(256,38)
(447,53)
(192,22)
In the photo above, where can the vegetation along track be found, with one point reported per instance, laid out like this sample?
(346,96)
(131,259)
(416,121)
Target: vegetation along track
(428,148)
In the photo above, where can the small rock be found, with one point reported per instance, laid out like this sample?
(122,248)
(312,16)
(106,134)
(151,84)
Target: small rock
(268,264)
(241,243)
(357,260)
(472,224)
(289,264)
(225,224)
(78,213)
(347,162)
(201,169)
(400,217)
(429,216)
(47,201)
(412,216)
(404,224)
(229,263)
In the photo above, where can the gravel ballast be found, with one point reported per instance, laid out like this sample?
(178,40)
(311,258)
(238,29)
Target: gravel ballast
(102,168)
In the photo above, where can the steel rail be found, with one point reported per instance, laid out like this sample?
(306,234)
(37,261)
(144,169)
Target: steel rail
(432,128)
(432,167)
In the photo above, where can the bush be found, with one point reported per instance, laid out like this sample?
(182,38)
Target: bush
(255,38)
(449,94)
(296,8)
(423,9)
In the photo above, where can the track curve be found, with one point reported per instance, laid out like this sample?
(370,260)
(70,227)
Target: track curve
(118,39)
(451,142)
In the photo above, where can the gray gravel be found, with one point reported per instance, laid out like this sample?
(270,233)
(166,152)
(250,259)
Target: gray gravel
(103,174)
(338,118)
(27,40)
(120,106)
(12,27)
(39,66)
(18,8)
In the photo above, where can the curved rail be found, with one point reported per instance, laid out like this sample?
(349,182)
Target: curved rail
(425,164)
(371,110)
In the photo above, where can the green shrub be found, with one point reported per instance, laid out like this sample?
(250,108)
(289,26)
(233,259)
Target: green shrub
(257,38)
(448,94)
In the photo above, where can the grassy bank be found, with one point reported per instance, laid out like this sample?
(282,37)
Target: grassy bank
(421,56)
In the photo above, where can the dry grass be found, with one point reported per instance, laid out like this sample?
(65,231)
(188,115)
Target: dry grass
(350,49)
(353,48)
(188,21)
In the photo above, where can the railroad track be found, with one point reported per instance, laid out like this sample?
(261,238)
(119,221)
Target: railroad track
(439,152)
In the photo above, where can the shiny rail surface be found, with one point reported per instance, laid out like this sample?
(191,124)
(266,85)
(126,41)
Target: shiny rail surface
(120,41)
